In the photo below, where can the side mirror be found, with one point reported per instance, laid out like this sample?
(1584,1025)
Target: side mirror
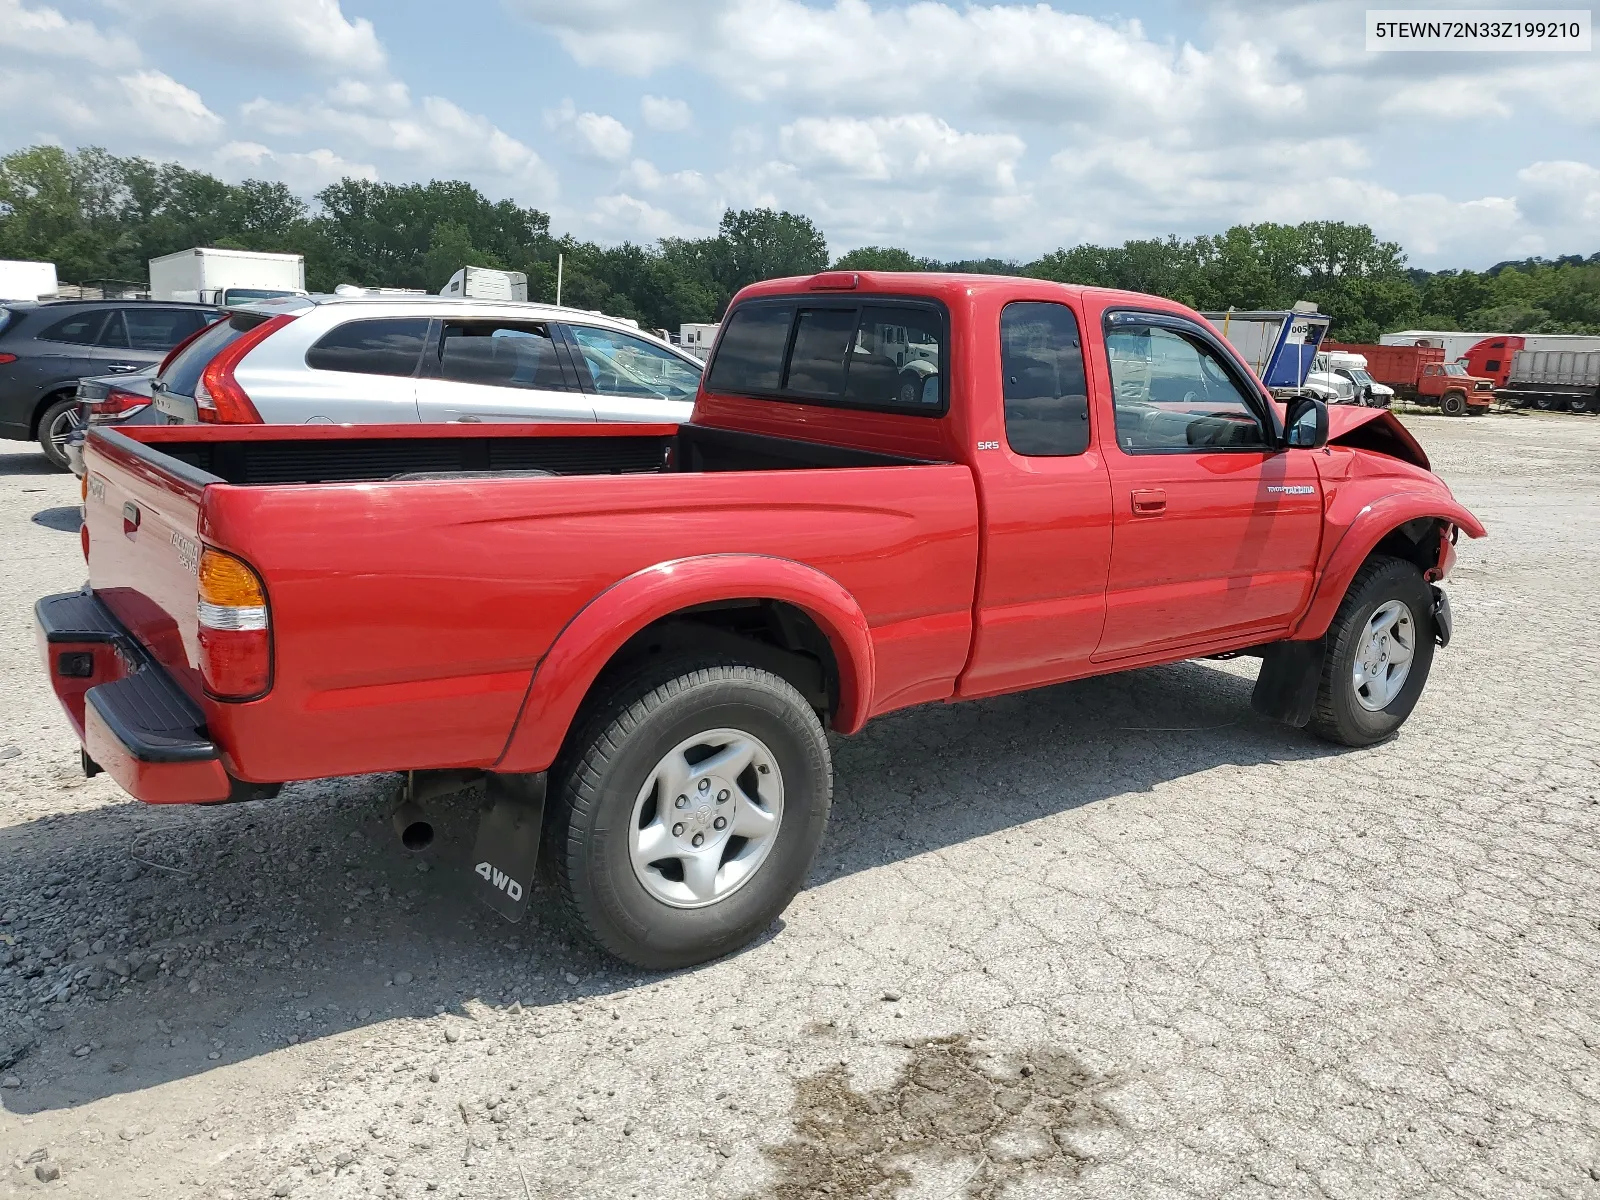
(1306,425)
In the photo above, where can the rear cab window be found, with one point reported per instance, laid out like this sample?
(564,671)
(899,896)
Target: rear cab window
(883,354)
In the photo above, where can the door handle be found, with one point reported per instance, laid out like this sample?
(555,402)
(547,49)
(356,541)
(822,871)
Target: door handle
(1149,502)
(131,516)
(118,367)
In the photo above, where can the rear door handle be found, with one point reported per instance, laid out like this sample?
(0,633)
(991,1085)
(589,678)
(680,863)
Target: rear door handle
(118,367)
(131,516)
(1149,502)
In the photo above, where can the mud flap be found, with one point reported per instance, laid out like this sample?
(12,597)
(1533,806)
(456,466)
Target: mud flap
(507,849)
(1443,627)
(1286,689)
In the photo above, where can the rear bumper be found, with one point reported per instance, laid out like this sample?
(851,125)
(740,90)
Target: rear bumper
(133,719)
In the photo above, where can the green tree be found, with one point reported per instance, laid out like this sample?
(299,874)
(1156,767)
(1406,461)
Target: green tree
(883,258)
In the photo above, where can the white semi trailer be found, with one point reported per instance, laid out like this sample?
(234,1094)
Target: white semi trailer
(211,276)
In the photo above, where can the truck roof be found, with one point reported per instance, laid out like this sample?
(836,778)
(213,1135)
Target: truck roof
(947,285)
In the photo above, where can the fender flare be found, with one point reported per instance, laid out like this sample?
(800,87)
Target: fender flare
(1371,525)
(592,638)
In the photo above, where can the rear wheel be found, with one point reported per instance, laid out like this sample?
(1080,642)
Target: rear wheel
(56,425)
(1453,404)
(1379,651)
(688,810)
(1588,404)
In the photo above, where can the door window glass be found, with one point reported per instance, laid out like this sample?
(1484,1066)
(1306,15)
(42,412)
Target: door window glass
(1042,379)
(501,354)
(115,334)
(80,329)
(391,346)
(894,360)
(160,328)
(1172,392)
(623,365)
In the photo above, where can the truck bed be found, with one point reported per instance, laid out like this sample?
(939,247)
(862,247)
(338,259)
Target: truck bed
(417,575)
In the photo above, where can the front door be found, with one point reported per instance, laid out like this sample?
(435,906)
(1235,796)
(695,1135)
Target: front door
(1216,529)
(488,369)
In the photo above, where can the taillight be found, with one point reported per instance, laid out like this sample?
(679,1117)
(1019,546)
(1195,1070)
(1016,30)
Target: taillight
(235,628)
(116,405)
(218,398)
(7,358)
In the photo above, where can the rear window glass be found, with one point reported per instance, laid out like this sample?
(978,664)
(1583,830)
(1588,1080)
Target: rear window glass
(80,329)
(859,355)
(750,352)
(391,346)
(822,338)
(183,372)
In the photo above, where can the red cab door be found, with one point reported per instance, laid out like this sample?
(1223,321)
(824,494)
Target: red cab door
(1046,503)
(1215,528)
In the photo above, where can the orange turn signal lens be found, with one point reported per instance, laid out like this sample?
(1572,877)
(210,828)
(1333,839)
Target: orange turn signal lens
(227,582)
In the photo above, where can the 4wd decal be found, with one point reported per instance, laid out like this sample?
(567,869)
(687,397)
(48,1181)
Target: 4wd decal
(500,879)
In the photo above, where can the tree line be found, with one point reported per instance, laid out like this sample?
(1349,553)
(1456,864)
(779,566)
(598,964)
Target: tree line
(99,216)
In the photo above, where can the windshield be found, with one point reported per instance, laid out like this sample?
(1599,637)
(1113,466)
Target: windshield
(1454,369)
(1360,376)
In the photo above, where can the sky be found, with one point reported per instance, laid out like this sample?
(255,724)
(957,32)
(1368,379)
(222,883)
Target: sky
(952,130)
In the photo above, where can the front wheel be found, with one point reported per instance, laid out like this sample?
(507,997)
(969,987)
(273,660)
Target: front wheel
(688,811)
(1379,651)
(1453,404)
(56,425)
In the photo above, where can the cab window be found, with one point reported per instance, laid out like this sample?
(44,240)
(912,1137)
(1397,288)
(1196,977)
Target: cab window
(1042,380)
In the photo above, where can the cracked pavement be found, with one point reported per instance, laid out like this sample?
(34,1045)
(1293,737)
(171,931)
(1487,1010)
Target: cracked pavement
(1119,938)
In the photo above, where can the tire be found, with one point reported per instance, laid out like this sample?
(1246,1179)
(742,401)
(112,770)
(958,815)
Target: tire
(609,796)
(1341,714)
(56,424)
(1587,405)
(1453,404)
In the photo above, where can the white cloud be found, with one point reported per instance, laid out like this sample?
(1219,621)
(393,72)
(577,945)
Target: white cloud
(304,173)
(665,114)
(166,109)
(305,34)
(597,135)
(620,215)
(142,111)
(45,33)
(434,136)
(916,147)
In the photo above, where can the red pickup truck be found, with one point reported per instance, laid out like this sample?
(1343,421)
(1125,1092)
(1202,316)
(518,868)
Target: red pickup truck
(896,489)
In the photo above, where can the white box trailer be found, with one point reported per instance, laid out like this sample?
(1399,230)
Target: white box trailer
(210,276)
(1554,379)
(696,338)
(26,280)
(486,283)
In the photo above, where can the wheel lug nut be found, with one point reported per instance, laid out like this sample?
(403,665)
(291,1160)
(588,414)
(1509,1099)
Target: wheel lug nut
(720,823)
(722,796)
(705,785)
(681,802)
(764,769)
(677,831)
(699,839)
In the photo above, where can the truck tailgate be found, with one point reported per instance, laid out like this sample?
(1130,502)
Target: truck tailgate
(142,514)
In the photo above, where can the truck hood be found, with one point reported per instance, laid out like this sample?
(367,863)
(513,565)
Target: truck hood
(1375,430)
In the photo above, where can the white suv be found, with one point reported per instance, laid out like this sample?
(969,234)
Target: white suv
(385,359)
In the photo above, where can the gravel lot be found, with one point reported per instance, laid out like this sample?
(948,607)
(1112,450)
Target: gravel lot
(1113,939)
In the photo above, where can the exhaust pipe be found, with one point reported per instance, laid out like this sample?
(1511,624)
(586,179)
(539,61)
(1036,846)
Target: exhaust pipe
(413,826)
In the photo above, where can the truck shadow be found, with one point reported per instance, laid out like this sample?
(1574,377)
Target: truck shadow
(148,945)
